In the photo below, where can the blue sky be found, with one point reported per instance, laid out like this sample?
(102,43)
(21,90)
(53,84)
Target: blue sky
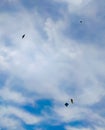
(59,59)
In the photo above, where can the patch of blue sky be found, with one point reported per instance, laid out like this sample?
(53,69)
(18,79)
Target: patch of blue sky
(100,6)
(17,83)
(40,106)
(99,107)
(29,127)
(7,42)
(3,129)
(49,127)
(80,123)
(70,86)
(101,76)
(3,78)
(57,127)
(46,8)
(6,7)
(41,31)
(87,31)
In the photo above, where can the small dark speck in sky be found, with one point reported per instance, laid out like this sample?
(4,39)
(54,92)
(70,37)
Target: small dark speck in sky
(23,36)
(66,104)
(80,21)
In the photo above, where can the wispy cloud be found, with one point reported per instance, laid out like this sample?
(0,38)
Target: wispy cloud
(12,117)
(47,64)
(12,96)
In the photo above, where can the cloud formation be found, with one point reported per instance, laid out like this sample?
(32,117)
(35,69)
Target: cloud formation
(48,64)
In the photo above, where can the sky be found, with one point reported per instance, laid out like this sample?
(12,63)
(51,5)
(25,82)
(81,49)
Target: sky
(58,59)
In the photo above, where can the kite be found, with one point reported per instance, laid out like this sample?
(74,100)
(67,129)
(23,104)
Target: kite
(72,101)
(23,36)
(66,104)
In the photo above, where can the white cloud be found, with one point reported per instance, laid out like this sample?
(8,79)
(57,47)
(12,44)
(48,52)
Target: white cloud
(10,111)
(25,116)
(44,63)
(12,96)
(8,122)
(30,61)
(72,128)
(73,113)
(83,128)
(75,5)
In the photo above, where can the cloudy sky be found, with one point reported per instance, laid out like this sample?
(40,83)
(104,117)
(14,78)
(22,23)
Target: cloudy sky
(59,59)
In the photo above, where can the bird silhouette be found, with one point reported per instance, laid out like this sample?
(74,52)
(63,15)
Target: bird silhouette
(72,101)
(66,104)
(23,36)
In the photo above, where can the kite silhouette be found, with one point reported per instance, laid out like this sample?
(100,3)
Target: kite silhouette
(72,101)
(80,21)
(23,36)
(66,104)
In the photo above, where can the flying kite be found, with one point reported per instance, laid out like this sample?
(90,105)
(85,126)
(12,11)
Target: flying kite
(72,101)
(80,21)
(23,36)
(66,104)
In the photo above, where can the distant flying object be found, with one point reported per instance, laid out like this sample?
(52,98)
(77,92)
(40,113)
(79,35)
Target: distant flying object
(72,101)
(66,104)
(80,21)
(23,36)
